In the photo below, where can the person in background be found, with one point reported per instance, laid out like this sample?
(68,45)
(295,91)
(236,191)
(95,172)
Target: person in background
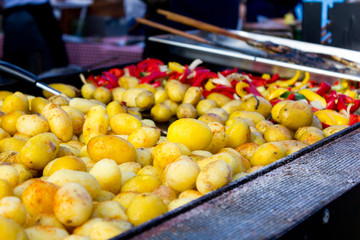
(251,10)
(32,36)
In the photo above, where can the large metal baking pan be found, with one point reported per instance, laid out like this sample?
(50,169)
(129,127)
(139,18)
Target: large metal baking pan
(250,58)
(312,193)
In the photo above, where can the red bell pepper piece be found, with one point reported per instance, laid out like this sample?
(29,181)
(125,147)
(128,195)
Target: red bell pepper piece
(275,101)
(111,78)
(156,84)
(201,76)
(185,75)
(291,97)
(273,78)
(354,119)
(234,82)
(229,71)
(252,89)
(331,103)
(117,72)
(132,71)
(152,76)
(341,103)
(356,106)
(175,75)
(324,88)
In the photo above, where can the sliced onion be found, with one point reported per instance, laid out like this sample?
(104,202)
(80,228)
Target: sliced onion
(195,63)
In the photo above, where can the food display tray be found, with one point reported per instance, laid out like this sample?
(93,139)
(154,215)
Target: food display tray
(249,58)
(313,193)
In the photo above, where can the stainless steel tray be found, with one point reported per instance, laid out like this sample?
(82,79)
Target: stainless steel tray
(252,59)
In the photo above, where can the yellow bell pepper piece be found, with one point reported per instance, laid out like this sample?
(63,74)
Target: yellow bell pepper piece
(289,82)
(277,93)
(304,81)
(350,93)
(266,76)
(176,67)
(312,96)
(345,83)
(331,117)
(239,88)
(209,85)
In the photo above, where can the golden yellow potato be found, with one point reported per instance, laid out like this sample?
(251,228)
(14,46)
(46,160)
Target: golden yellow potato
(224,156)
(72,204)
(311,137)
(67,89)
(38,197)
(77,118)
(238,176)
(147,86)
(96,123)
(181,175)
(193,194)
(84,105)
(166,193)
(296,114)
(141,184)
(24,172)
(59,121)
(165,153)
(4,94)
(13,208)
(257,138)
(100,228)
(263,125)
(254,103)
(143,156)
(186,110)
(130,166)
(160,95)
(125,198)
(214,176)
(87,90)
(253,116)
(102,94)
(124,124)
(275,111)
(267,153)
(66,162)
(192,95)
(219,139)
(218,98)
(19,189)
(211,117)
(3,134)
(151,170)
(204,105)
(161,113)
(144,137)
(10,174)
(220,112)
(126,176)
(145,100)
(175,90)
(111,147)
(10,230)
(277,132)
(194,134)
(238,133)
(292,146)
(15,102)
(333,129)
(46,232)
(39,151)
(232,106)
(49,220)
(88,181)
(11,144)
(145,207)
(37,104)
(130,95)
(5,189)
(77,237)
(117,94)
(32,125)
(128,82)
(242,165)
(247,149)
(60,100)
(179,202)
(104,196)
(172,105)
(115,107)
(108,174)
(109,210)
(8,122)
(302,130)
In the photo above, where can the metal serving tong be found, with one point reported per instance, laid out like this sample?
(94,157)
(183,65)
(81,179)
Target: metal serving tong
(24,75)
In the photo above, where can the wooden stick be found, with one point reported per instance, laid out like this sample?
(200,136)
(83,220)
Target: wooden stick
(200,25)
(172,30)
